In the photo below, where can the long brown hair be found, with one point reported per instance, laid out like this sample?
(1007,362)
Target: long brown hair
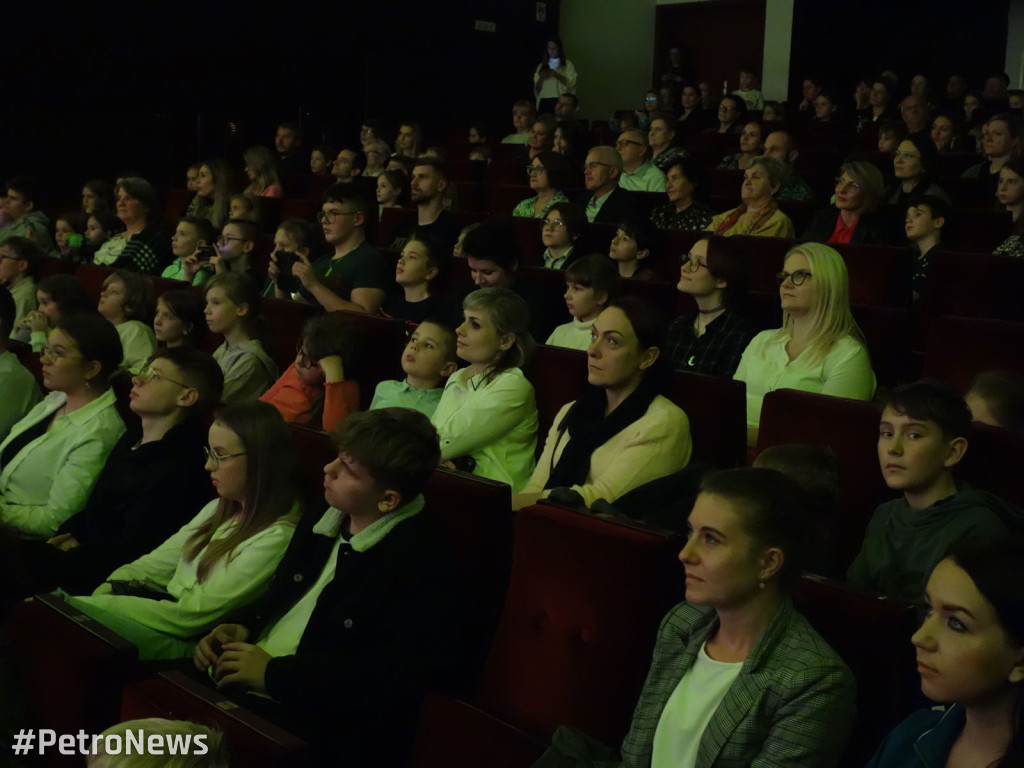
(271,484)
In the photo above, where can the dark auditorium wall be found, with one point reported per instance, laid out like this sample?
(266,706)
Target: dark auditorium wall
(94,93)
(841,41)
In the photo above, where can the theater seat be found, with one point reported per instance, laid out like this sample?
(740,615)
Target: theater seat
(91,276)
(849,430)
(51,266)
(975,285)
(959,348)
(992,462)
(253,740)
(872,634)
(286,319)
(717,411)
(381,355)
(558,375)
(70,667)
(175,204)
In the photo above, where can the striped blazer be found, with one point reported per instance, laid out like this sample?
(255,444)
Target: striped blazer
(792,705)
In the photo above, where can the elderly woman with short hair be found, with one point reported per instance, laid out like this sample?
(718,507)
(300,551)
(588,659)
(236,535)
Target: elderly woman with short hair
(758,214)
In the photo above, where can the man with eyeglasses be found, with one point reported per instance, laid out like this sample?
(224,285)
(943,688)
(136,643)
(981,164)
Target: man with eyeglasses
(639,174)
(605,201)
(152,483)
(20,217)
(354,277)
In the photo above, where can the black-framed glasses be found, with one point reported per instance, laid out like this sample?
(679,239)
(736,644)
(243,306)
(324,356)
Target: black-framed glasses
(692,263)
(228,238)
(216,458)
(797,278)
(149,373)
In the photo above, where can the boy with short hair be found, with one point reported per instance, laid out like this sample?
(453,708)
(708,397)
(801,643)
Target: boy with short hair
(190,234)
(634,241)
(234,247)
(922,437)
(428,360)
(363,614)
(996,398)
(19,263)
(21,219)
(422,261)
(925,219)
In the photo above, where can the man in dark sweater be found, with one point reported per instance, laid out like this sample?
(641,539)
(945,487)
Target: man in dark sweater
(153,483)
(363,615)
(923,436)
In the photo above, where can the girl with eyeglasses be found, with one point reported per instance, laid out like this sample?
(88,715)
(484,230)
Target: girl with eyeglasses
(819,347)
(221,560)
(52,457)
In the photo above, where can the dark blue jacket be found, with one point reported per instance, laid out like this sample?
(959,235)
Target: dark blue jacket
(923,740)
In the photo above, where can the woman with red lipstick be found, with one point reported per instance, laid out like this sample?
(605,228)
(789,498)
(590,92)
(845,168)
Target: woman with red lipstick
(739,678)
(970,654)
(859,188)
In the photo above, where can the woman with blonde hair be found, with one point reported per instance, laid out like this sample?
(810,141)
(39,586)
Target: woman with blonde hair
(819,347)
(853,217)
(261,168)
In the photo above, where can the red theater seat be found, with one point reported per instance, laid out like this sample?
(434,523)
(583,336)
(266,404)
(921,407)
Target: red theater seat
(975,285)
(717,411)
(960,348)
(992,462)
(558,375)
(286,319)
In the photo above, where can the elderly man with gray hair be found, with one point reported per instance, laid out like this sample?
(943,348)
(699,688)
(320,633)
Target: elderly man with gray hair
(639,173)
(605,201)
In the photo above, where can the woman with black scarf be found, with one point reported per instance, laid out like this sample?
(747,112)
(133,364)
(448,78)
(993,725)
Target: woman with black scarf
(621,433)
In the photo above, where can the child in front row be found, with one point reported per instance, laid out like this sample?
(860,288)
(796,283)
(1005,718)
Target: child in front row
(589,283)
(921,439)
(428,360)
(191,234)
(233,311)
(234,249)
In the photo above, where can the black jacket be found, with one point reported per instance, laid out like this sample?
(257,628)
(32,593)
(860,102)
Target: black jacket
(621,204)
(872,229)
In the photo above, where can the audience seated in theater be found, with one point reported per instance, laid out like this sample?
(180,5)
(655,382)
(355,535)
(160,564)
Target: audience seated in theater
(567,107)
(235,245)
(917,116)
(758,214)
(661,135)
(291,157)
(810,89)
(487,416)
(748,89)
(1010,194)
(58,296)
(110,754)
(314,390)
(371,130)
(827,125)
(914,165)
(590,282)
(925,220)
(151,484)
(949,135)
(457,248)
(21,219)
(214,187)
(179,320)
(392,191)
(879,105)
(20,259)
(191,178)
(523,115)
(321,159)
(349,164)
(732,114)
(233,311)
(409,140)
(67,233)
(606,202)
(479,133)
(192,246)
(564,224)
(261,168)
(751,146)
(570,142)
(634,241)
(98,196)
(128,302)
(685,186)
(922,437)
(548,174)
(73,429)
(327,651)
(737,672)
(1000,143)
(20,391)
(413,299)
(401,163)
(773,114)
(994,94)
(221,560)
(245,206)
(890,134)
(782,146)
(428,359)
(712,339)
(353,276)
(693,118)
(428,184)
(819,347)
(970,654)
(99,228)
(377,153)
(639,173)
(143,246)
(622,432)
(293,239)
(493,256)
(542,136)
(996,398)
(853,218)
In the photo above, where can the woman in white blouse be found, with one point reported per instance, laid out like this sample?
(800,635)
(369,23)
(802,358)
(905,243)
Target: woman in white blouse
(221,560)
(819,347)
(487,416)
(554,76)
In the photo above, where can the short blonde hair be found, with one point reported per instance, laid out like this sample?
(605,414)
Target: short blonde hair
(776,170)
(832,319)
(216,747)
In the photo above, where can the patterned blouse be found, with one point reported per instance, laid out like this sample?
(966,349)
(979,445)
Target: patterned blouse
(525,208)
(696,217)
